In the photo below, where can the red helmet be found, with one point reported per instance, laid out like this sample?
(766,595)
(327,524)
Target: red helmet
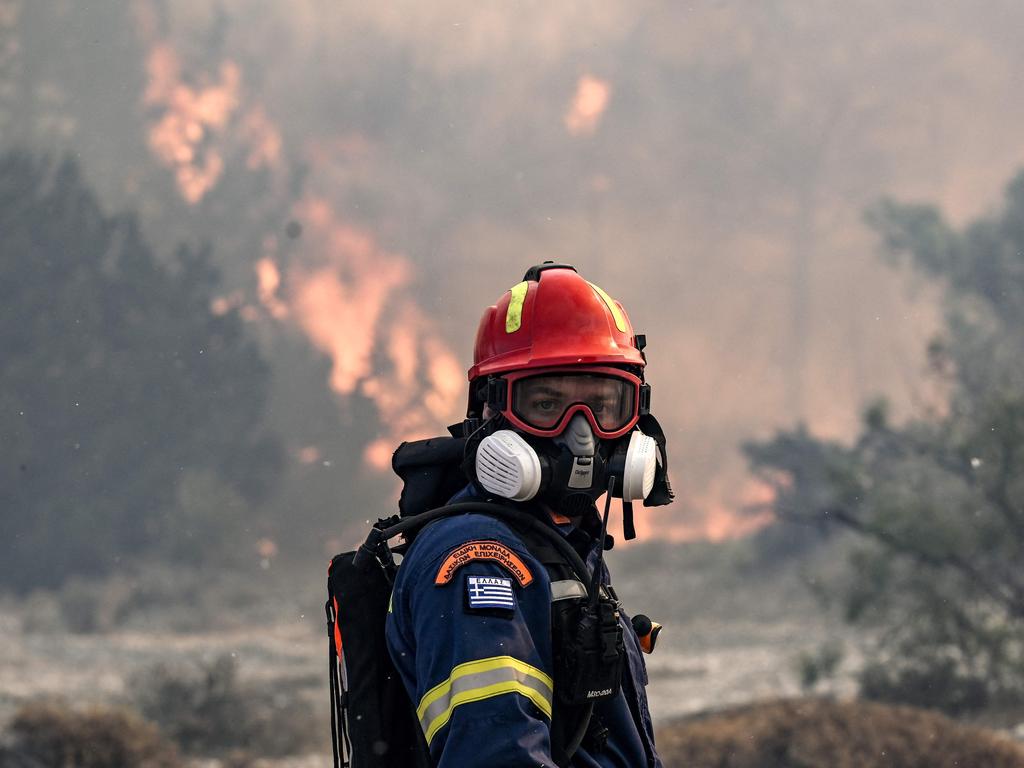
(555,322)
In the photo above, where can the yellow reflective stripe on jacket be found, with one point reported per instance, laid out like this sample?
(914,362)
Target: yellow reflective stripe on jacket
(482,679)
(514,313)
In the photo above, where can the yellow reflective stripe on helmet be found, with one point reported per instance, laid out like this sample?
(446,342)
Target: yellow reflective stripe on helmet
(514,315)
(620,319)
(483,679)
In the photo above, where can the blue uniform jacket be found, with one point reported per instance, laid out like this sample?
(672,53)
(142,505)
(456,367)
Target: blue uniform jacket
(472,643)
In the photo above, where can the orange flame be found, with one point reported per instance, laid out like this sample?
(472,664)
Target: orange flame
(9,12)
(350,297)
(718,515)
(180,137)
(269,280)
(588,105)
(198,119)
(221,305)
(266,548)
(309,454)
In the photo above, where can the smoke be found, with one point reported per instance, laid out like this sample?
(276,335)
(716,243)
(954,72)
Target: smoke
(10,12)
(707,163)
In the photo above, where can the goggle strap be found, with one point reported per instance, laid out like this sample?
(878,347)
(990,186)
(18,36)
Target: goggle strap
(497,393)
(640,342)
(645,399)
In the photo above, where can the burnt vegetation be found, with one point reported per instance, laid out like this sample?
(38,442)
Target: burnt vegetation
(800,734)
(936,503)
(208,709)
(48,734)
(176,714)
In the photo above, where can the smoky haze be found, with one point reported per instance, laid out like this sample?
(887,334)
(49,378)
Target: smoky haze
(369,179)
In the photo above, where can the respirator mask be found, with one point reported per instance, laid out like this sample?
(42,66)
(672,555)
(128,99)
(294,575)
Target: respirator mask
(561,436)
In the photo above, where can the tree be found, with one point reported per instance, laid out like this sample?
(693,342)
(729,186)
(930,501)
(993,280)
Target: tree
(116,380)
(938,502)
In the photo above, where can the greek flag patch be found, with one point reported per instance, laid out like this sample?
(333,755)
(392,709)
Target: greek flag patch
(490,592)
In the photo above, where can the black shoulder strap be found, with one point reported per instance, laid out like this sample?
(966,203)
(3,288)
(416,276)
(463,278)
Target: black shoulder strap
(375,548)
(569,723)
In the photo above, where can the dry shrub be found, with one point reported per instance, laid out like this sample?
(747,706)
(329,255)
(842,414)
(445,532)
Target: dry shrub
(53,735)
(90,607)
(159,596)
(941,684)
(809,733)
(40,612)
(208,710)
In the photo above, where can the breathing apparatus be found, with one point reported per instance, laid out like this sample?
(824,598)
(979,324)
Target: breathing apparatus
(568,472)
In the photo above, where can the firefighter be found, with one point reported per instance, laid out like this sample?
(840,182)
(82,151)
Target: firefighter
(558,413)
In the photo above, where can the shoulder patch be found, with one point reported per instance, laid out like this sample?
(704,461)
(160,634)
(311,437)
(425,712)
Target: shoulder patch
(490,592)
(491,551)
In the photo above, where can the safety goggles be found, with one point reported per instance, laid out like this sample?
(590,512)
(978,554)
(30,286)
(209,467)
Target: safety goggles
(542,402)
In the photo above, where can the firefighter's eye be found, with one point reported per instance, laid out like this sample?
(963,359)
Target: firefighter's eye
(546,406)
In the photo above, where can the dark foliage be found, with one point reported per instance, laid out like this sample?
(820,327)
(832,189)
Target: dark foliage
(116,382)
(938,502)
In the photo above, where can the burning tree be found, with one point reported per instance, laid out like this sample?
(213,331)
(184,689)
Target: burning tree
(118,382)
(938,502)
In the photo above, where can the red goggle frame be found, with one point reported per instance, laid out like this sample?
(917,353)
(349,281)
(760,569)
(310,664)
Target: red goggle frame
(541,402)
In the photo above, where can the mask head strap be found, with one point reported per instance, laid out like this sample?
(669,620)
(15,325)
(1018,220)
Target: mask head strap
(628,529)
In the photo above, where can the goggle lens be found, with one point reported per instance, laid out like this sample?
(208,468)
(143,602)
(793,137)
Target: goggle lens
(542,400)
